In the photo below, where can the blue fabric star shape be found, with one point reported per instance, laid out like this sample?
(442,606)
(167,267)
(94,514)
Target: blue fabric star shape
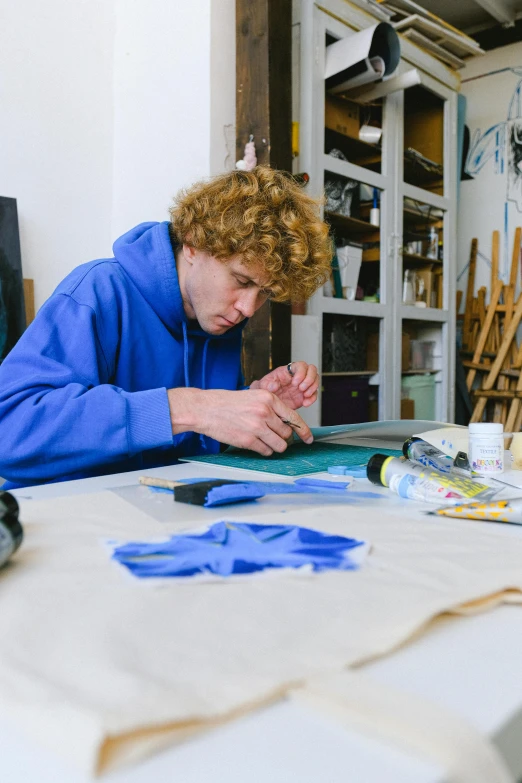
(238,548)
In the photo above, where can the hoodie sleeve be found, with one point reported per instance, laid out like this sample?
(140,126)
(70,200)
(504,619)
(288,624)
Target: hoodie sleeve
(58,412)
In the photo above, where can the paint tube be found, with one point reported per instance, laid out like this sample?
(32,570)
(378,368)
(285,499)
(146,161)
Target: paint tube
(494,511)
(424,484)
(423,453)
(11,532)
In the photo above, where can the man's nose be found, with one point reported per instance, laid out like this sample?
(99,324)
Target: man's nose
(249,301)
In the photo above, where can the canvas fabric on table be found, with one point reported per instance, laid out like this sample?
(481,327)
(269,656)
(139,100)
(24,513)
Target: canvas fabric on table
(103,667)
(411,723)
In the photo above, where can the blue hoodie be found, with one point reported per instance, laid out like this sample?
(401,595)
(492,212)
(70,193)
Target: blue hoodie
(84,391)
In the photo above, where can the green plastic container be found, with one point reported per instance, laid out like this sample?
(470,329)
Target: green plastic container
(421,389)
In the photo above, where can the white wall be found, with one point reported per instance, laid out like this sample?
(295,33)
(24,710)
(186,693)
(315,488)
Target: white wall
(56,131)
(109,107)
(493,199)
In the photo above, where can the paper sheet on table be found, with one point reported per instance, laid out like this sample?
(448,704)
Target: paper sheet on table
(103,669)
(449,439)
(397,430)
(362,58)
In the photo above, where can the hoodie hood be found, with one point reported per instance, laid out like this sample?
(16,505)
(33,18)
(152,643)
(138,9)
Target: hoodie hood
(147,256)
(145,253)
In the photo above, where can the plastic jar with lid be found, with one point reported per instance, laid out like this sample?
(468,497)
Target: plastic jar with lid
(486,448)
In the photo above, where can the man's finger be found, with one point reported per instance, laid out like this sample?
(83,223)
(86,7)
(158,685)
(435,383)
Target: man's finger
(276,435)
(299,372)
(310,378)
(313,389)
(309,401)
(295,421)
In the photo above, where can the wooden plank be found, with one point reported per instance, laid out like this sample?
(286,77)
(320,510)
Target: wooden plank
(483,367)
(497,364)
(515,259)
(460,294)
(484,332)
(496,394)
(495,248)
(29,300)
(466,331)
(505,345)
(263,109)
(481,304)
(500,410)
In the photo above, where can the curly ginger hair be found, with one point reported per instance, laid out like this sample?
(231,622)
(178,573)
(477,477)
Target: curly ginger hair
(263,217)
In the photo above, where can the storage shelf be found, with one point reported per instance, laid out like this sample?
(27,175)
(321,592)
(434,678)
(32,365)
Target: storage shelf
(414,259)
(356,151)
(433,314)
(418,372)
(413,218)
(351,372)
(337,306)
(349,224)
(412,199)
(415,174)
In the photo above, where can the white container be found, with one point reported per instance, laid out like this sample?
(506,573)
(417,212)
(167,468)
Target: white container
(350,259)
(486,448)
(375,218)
(433,244)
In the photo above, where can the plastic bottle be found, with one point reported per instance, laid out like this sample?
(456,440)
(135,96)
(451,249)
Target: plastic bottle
(486,448)
(11,532)
(433,244)
(420,451)
(374,211)
(432,486)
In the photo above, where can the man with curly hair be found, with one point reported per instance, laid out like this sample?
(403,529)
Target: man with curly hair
(134,361)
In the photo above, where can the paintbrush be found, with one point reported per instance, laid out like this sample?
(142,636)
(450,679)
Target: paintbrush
(198,493)
(220,492)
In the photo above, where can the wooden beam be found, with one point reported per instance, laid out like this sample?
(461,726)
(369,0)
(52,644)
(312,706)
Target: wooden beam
(484,332)
(466,330)
(264,110)
(497,364)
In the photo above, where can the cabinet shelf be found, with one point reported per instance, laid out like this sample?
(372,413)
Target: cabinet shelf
(349,224)
(351,372)
(413,259)
(356,151)
(419,372)
(413,218)
(412,173)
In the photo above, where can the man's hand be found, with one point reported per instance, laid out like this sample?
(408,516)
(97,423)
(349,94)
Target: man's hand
(250,419)
(296,389)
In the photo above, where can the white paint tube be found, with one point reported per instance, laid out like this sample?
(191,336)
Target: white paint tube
(425,484)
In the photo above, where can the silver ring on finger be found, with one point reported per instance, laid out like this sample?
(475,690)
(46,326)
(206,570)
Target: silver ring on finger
(289,368)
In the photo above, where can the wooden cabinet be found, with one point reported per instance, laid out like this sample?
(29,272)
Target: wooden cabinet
(405,284)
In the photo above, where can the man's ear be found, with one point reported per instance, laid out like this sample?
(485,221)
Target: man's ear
(189,252)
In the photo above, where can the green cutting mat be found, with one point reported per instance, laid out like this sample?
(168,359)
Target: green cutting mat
(297,460)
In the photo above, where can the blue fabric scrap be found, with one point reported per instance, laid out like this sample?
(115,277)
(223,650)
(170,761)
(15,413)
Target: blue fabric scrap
(228,548)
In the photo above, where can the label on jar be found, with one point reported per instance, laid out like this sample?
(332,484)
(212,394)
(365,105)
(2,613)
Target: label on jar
(6,544)
(487,455)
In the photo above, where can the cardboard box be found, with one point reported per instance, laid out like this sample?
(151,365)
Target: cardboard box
(407,409)
(437,288)
(405,351)
(342,116)
(372,352)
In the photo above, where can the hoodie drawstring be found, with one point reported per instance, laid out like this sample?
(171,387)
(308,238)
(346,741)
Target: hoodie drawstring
(202,438)
(185,355)
(204,363)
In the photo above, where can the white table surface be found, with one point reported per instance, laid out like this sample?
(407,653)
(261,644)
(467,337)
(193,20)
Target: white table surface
(470,665)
